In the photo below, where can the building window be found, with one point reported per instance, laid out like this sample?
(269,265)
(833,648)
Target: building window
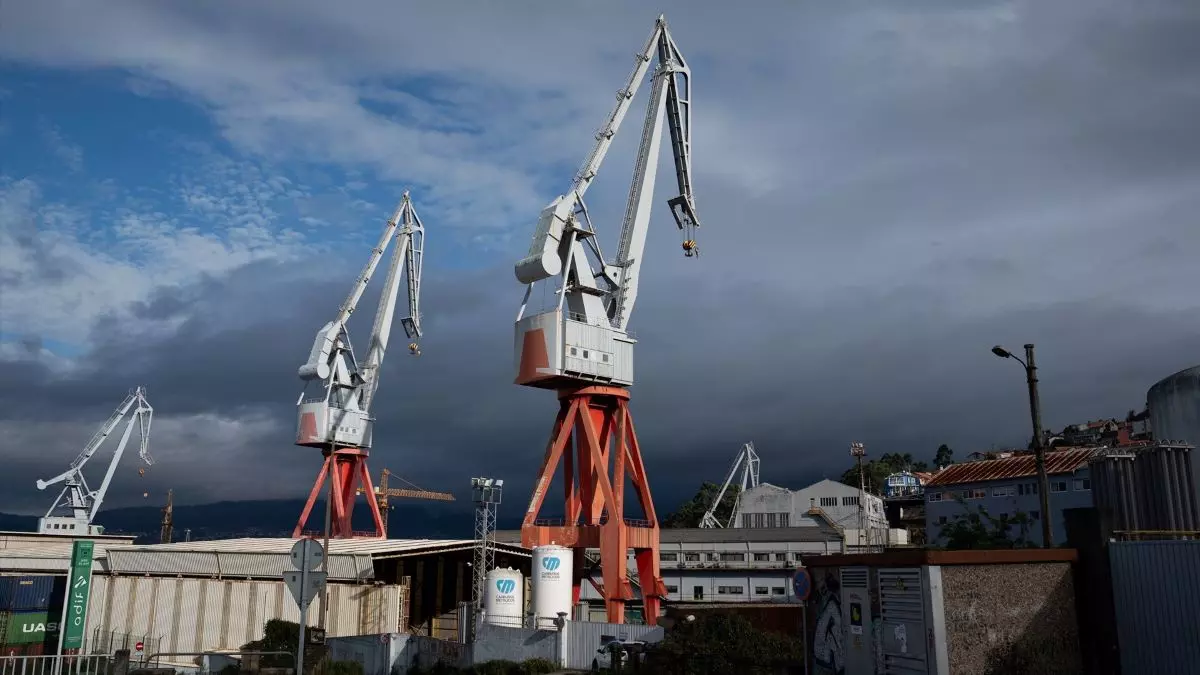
(585,353)
(935,496)
(783,519)
(604,358)
(849,501)
(781,557)
(710,557)
(828,501)
(761,590)
(747,520)
(778,590)
(1083,484)
(977,493)
(1058,486)
(574,352)
(669,557)
(762,557)
(1027,489)
(691,557)
(672,589)
(697,592)
(730,590)
(796,556)
(1004,491)
(771,519)
(759,519)
(733,557)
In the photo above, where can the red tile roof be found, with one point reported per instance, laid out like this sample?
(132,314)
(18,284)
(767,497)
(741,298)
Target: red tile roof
(1021,466)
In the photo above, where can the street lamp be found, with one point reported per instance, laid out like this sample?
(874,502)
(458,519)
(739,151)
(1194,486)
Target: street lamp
(1039,451)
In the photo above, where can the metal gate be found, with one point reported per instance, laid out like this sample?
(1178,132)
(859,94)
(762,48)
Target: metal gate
(903,621)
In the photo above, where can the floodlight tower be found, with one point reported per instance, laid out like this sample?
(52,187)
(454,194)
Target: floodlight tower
(581,348)
(486,493)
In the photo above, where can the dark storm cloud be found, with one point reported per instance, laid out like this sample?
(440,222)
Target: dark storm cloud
(886,192)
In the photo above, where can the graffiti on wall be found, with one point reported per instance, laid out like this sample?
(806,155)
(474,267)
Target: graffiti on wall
(828,655)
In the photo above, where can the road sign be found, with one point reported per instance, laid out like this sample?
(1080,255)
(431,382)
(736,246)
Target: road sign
(312,586)
(802,584)
(307,554)
(385,638)
(139,647)
(316,636)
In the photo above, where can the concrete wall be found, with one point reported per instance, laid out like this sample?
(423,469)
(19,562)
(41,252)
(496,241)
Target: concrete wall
(1016,618)
(941,511)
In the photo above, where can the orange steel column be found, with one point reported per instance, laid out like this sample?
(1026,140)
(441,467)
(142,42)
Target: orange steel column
(605,454)
(347,469)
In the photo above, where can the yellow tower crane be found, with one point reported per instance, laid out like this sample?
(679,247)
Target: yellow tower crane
(383,492)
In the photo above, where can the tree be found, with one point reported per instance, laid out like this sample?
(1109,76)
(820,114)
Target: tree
(978,529)
(723,643)
(691,512)
(944,456)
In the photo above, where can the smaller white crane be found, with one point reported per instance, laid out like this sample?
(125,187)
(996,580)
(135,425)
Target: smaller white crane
(76,496)
(747,461)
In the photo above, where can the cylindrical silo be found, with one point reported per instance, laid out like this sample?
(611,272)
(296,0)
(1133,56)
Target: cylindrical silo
(552,570)
(504,599)
(1175,407)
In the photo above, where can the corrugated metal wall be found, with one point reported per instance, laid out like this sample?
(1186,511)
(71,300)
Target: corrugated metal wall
(1156,591)
(583,638)
(201,614)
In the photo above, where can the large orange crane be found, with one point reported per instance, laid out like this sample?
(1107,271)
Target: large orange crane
(382,492)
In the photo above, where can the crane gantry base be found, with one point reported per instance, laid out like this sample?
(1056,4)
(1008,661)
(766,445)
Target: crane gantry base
(347,469)
(606,450)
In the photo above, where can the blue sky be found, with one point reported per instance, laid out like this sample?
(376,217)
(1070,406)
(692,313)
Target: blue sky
(887,190)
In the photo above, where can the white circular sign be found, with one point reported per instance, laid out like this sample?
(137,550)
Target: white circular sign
(307,554)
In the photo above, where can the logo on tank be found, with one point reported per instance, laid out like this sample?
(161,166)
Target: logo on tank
(506,585)
(550,563)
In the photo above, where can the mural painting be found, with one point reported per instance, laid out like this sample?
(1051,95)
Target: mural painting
(828,655)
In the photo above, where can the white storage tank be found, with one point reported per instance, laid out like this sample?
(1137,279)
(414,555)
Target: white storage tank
(504,598)
(553,567)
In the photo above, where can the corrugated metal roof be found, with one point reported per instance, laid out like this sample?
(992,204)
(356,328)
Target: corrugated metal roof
(379,548)
(1021,466)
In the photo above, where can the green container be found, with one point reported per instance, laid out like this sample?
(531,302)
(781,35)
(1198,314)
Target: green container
(31,627)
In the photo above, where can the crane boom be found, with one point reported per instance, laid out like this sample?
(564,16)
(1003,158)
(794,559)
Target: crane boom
(747,461)
(592,292)
(83,502)
(341,415)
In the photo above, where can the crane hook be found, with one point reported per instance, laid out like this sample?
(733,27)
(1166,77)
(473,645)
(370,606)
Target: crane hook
(414,349)
(689,248)
(142,471)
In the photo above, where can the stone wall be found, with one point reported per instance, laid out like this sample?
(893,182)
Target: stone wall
(1011,618)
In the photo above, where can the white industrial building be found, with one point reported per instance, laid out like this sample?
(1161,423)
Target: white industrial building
(767,506)
(217,595)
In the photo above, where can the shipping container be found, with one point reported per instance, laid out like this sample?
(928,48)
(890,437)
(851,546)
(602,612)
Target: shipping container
(32,649)
(32,593)
(31,627)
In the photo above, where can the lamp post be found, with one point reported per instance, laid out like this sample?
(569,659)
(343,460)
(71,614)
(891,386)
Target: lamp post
(1039,450)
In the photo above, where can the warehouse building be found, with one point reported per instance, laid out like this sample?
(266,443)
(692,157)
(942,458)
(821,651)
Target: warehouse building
(217,595)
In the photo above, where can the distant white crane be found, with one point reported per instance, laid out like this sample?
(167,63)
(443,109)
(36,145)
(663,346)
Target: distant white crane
(747,462)
(76,496)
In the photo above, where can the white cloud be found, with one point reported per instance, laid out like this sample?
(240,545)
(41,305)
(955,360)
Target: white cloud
(69,153)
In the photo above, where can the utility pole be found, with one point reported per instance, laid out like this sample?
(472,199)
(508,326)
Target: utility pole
(858,451)
(486,493)
(1039,448)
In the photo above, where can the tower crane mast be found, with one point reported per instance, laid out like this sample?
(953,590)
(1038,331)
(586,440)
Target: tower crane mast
(76,497)
(338,418)
(582,348)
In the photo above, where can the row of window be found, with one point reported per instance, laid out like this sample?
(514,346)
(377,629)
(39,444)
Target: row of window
(62,526)
(751,520)
(728,557)
(587,354)
(1020,489)
(698,591)
(833,501)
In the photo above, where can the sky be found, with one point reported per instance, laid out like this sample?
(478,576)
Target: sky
(886,190)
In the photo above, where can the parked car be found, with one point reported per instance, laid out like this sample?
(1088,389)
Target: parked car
(604,655)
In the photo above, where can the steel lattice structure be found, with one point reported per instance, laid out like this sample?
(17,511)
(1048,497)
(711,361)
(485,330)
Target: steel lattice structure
(486,493)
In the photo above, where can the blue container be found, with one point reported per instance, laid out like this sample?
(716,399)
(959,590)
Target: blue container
(32,593)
